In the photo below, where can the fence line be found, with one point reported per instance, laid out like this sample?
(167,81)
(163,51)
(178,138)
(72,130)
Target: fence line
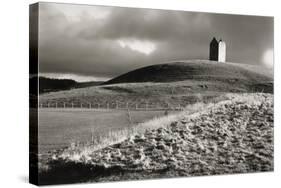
(110,105)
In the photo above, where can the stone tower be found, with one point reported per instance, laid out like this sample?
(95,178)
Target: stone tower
(217,50)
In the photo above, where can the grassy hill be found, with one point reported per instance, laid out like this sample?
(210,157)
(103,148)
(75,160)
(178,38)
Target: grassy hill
(172,84)
(200,70)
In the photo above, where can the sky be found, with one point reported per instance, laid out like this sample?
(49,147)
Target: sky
(96,43)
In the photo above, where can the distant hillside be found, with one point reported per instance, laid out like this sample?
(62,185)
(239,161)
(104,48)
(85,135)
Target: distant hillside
(200,70)
(51,84)
(88,84)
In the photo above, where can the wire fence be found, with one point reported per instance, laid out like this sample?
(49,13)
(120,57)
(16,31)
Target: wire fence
(110,105)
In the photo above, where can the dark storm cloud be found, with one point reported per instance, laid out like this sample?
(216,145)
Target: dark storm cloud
(148,24)
(87,40)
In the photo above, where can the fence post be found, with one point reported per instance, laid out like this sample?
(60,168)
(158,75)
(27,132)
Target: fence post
(48,105)
(72,104)
(146,105)
(136,106)
(107,105)
(116,105)
(56,104)
(63,104)
(90,105)
(92,137)
(81,105)
(127,105)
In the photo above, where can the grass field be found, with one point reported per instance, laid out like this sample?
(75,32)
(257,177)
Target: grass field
(197,87)
(174,84)
(60,128)
(231,136)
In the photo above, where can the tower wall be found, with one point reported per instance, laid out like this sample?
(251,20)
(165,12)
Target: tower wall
(222,51)
(214,50)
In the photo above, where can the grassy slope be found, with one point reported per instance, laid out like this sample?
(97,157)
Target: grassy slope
(174,84)
(232,136)
(82,126)
(195,70)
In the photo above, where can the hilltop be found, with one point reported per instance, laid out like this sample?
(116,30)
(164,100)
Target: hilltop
(174,84)
(198,70)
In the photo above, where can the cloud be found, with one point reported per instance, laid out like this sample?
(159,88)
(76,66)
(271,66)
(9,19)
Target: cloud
(108,41)
(142,46)
(268,58)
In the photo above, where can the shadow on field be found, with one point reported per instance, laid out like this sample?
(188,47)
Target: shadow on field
(69,172)
(65,172)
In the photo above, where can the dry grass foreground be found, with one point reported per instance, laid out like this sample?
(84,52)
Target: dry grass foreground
(232,136)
